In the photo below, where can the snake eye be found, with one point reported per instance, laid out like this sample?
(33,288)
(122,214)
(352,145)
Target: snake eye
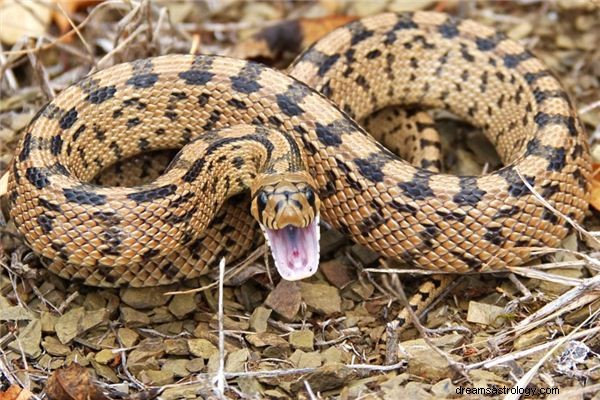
(310,196)
(261,201)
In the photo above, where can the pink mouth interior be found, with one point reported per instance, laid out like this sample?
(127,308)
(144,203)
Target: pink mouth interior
(295,250)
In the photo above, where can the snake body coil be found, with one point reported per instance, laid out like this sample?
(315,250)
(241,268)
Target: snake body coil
(175,227)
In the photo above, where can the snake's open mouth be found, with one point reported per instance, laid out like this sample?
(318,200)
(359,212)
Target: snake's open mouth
(295,250)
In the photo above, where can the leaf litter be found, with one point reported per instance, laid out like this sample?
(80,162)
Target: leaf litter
(261,337)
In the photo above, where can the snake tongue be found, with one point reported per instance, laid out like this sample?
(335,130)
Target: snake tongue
(295,250)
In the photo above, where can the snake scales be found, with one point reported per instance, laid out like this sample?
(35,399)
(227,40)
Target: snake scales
(244,123)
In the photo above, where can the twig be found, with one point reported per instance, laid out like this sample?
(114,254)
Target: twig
(526,379)
(220,378)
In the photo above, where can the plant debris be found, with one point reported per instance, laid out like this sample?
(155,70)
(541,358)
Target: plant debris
(328,336)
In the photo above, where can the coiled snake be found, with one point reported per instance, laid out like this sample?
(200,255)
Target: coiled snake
(292,140)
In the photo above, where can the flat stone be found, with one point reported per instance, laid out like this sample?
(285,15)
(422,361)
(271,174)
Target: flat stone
(128,337)
(104,356)
(147,297)
(486,314)
(48,321)
(134,318)
(195,365)
(285,299)
(236,361)
(321,297)
(182,304)
(177,367)
(443,389)
(265,339)
(78,321)
(156,378)
(303,340)
(28,340)
(337,273)
(15,313)
(258,319)
(177,347)
(202,348)
(306,360)
(54,347)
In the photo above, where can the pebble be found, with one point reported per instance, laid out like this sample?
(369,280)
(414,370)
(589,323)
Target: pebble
(285,299)
(258,319)
(303,340)
(147,297)
(321,297)
(202,348)
(182,304)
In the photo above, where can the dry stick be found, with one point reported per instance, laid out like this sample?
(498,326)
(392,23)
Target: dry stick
(587,288)
(526,379)
(220,378)
(77,31)
(10,76)
(311,394)
(457,367)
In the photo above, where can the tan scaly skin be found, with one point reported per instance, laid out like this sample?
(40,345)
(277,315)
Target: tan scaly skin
(162,232)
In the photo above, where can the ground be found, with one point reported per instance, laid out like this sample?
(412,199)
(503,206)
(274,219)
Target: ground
(333,335)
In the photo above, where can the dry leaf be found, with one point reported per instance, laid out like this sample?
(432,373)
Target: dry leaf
(69,7)
(16,392)
(595,195)
(72,383)
(22,18)
(289,35)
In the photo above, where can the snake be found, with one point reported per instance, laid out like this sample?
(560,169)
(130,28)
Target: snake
(279,150)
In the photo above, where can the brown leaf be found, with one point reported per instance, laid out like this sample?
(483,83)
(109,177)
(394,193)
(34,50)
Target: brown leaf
(16,392)
(72,383)
(595,195)
(287,36)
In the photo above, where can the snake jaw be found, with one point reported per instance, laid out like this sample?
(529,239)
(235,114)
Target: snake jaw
(295,250)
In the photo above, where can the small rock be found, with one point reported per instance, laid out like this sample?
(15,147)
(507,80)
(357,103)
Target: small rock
(443,389)
(486,314)
(302,340)
(236,361)
(134,318)
(48,321)
(321,297)
(15,313)
(363,289)
(104,356)
(258,319)
(147,297)
(249,386)
(54,347)
(177,367)
(326,378)
(156,378)
(28,340)
(266,339)
(182,304)
(285,299)
(306,360)
(531,338)
(195,365)
(332,355)
(127,337)
(77,321)
(177,347)
(202,348)
(412,390)
(105,371)
(426,363)
(337,273)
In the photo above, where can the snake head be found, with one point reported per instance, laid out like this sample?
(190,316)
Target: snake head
(287,209)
